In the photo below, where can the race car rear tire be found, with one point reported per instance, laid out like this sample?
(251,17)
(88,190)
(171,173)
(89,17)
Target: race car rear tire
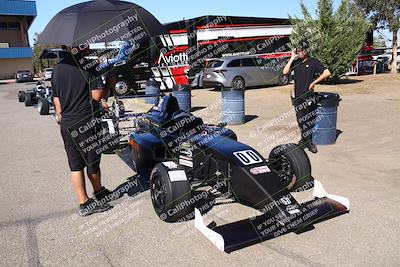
(28,100)
(21,96)
(292,165)
(43,106)
(170,192)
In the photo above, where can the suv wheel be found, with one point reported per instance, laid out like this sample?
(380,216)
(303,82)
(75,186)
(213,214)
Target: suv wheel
(283,79)
(238,83)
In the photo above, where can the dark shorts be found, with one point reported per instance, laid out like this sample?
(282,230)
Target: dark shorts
(80,156)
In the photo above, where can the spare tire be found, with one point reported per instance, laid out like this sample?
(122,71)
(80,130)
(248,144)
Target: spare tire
(292,165)
(21,96)
(43,106)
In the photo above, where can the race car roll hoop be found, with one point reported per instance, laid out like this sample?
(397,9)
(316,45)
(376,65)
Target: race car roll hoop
(187,163)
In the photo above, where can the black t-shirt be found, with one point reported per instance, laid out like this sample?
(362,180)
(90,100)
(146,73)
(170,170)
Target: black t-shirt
(72,85)
(304,73)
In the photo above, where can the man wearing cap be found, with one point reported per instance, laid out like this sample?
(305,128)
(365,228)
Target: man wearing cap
(305,70)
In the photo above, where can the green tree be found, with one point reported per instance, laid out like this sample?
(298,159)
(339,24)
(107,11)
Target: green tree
(38,63)
(335,37)
(384,14)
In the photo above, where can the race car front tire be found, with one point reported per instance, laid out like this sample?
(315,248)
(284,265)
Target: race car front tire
(21,96)
(43,106)
(292,165)
(28,100)
(170,192)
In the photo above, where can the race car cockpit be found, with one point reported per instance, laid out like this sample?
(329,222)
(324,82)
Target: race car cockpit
(168,113)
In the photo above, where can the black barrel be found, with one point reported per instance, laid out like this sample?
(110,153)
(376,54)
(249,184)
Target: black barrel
(325,131)
(152,88)
(183,94)
(233,106)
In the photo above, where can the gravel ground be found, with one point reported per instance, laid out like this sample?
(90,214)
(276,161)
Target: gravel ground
(39,226)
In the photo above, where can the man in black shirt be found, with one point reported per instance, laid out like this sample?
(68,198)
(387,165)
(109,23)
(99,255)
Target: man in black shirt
(77,93)
(305,69)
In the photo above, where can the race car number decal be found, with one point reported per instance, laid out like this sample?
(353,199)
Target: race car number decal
(248,157)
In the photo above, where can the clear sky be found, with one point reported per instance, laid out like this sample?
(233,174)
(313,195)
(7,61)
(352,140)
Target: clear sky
(173,10)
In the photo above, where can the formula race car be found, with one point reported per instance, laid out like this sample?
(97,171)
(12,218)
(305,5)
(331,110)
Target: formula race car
(178,154)
(29,97)
(40,95)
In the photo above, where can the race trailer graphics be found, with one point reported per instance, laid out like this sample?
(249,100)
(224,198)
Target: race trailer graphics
(190,44)
(364,63)
(181,158)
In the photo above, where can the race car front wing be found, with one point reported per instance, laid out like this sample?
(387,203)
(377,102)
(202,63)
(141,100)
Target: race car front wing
(247,232)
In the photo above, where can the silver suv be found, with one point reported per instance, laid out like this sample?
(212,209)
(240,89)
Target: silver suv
(242,72)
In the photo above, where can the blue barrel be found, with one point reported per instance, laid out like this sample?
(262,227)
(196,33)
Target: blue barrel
(325,131)
(233,106)
(152,88)
(183,94)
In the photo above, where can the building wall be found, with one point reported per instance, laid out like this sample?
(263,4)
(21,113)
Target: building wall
(14,37)
(8,67)
(16,16)
(11,37)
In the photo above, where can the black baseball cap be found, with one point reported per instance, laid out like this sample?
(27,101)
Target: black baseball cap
(303,45)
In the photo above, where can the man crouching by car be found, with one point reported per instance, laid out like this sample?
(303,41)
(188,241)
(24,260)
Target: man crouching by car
(305,102)
(77,93)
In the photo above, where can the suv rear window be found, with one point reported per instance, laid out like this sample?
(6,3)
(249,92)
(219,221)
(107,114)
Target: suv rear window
(214,64)
(234,63)
(249,62)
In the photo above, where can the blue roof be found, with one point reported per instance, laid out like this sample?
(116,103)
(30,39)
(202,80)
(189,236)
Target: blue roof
(18,8)
(16,52)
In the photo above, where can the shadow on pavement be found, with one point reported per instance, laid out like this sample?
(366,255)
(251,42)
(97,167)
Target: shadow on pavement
(345,81)
(132,187)
(338,133)
(194,109)
(249,118)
